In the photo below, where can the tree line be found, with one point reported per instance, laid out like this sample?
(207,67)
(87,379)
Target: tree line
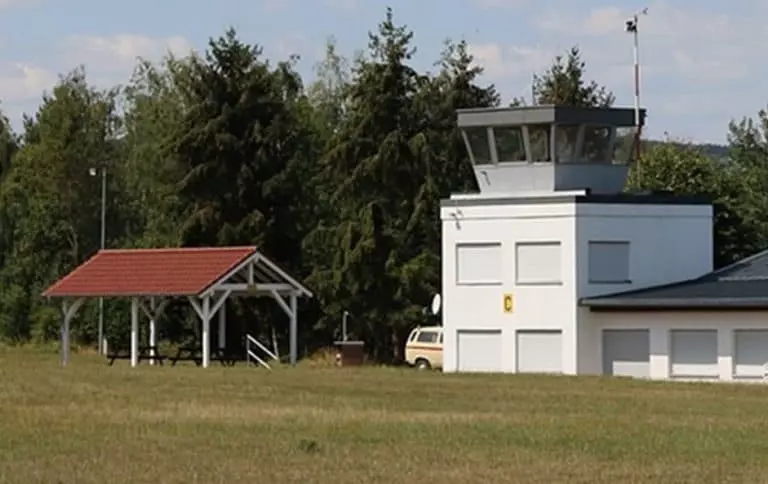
(338,180)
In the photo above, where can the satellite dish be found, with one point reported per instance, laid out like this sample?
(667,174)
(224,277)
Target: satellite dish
(436,302)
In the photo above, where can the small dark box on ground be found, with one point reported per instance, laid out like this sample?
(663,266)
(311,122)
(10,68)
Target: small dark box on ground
(349,353)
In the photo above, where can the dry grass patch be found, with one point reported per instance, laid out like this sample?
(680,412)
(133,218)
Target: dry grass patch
(314,424)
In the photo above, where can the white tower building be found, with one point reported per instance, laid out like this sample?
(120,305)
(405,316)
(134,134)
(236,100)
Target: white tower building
(550,226)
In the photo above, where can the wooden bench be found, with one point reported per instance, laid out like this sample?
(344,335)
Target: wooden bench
(187,353)
(145,353)
(195,353)
(227,357)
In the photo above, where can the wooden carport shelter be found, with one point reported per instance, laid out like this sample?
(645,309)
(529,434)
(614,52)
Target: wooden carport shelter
(206,277)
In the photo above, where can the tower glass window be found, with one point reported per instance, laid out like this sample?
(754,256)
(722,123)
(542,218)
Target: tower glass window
(538,139)
(479,145)
(509,143)
(565,143)
(597,140)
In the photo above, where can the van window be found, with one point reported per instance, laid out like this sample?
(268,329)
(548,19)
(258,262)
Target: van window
(427,337)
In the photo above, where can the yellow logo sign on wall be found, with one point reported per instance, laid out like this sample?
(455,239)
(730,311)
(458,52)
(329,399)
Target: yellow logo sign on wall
(509,303)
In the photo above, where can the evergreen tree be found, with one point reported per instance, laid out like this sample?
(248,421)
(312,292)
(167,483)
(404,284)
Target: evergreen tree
(565,83)
(373,164)
(247,156)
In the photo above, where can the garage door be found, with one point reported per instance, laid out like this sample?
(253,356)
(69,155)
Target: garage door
(539,352)
(627,353)
(751,353)
(694,354)
(479,351)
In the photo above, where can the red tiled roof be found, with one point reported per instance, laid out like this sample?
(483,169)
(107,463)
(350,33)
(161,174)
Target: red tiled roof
(147,272)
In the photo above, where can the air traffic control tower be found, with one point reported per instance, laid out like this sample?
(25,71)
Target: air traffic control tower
(550,226)
(546,148)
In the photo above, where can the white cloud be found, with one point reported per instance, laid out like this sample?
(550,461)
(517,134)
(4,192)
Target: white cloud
(120,52)
(274,5)
(294,43)
(511,62)
(488,4)
(22,85)
(691,43)
(108,60)
(604,21)
(342,4)
(692,56)
(23,82)
(4,4)
(282,5)
(289,45)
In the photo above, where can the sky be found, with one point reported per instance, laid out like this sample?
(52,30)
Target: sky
(700,61)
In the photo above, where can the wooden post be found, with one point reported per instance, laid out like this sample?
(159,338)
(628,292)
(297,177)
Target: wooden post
(64,334)
(152,329)
(223,326)
(293,330)
(206,336)
(134,331)
(68,312)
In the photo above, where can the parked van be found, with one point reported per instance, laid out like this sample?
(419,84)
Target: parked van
(424,348)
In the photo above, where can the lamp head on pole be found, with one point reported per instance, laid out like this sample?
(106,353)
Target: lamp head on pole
(97,170)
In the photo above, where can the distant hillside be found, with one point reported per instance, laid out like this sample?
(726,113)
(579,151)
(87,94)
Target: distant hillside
(624,146)
(713,150)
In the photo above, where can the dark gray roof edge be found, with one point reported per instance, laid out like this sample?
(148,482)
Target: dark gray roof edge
(658,297)
(619,303)
(545,107)
(742,278)
(547,114)
(738,263)
(617,199)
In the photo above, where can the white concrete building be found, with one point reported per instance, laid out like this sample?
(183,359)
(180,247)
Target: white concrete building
(550,268)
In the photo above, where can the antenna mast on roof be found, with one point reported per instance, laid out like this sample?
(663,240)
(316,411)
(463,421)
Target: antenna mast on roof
(533,80)
(631,27)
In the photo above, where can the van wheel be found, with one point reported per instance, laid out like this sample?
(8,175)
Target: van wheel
(422,364)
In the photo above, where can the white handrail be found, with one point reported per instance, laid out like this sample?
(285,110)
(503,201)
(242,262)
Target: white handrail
(260,346)
(250,340)
(250,354)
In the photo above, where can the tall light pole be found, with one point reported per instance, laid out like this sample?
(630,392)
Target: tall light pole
(94,172)
(632,27)
(344,317)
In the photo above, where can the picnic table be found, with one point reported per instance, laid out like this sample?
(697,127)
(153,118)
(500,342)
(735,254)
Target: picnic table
(150,353)
(227,357)
(195,353)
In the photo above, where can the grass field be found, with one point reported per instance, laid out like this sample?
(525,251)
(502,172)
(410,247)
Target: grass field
(92,423)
